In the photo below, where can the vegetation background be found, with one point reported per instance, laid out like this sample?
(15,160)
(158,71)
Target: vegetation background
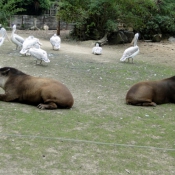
(93,18)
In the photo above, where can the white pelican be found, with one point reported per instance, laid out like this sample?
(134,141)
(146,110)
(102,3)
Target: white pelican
(16,39)
(55,42)
(3,32)
(28,43)
(39,54)
(131,51)
(2,40)
(97,50)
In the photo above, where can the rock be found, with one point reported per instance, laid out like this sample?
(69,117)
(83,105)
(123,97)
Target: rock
(171,39)
(120,37)
(157,38)
(129,35)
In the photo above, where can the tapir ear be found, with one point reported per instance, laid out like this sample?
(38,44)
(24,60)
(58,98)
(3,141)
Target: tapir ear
(5,72)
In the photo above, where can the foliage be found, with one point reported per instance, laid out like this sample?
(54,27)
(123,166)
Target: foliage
(161,21)
(28,7)
(34,7)
(8,8)
(94,18)
(90,20)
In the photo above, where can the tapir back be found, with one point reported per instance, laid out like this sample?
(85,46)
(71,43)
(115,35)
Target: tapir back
(44,92)
(150,93)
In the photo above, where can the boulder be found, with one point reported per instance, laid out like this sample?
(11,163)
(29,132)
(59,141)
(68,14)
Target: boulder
(156,38)
(120,37)
(129,35)
(171,39)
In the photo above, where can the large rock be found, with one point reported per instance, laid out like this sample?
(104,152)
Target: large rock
(156,38)
(129,35)
(171,39)
(120,37)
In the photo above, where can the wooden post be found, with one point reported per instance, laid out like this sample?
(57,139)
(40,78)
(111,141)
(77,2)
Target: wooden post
(58,27)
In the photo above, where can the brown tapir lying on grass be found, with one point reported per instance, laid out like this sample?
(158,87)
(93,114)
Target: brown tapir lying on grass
(150,93)
(44,92)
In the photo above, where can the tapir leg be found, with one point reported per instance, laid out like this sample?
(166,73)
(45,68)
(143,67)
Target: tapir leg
(55,97)
(7,97)
(149,104)
(140,95)
(140,103)
(50,105)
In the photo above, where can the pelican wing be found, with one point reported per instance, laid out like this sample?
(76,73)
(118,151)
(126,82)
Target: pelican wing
(55,40)
(1,40)
(18,38)
(29,43)
(97,50)
(130,52)
(39,54)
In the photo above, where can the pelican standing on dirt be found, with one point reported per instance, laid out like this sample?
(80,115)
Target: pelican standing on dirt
(30,42)
(55,42)
(97,50)
(3,32)
(16,39)
(39,54)
(131,52)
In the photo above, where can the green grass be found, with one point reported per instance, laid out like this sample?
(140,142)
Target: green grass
(61,141)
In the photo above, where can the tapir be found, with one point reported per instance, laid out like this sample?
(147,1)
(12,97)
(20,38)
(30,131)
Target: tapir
(152,93)
(45,93)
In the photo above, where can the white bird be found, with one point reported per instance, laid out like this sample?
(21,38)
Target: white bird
(3,32)
(131,52)
(16,39)
(97,50)
(30,42)
(39,54)
(2,40)
(46,27)
(55,42)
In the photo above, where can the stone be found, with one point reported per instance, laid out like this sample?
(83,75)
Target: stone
(120,37)
(156,38)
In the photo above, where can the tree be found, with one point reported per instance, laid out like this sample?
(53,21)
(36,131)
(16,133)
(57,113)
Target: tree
(93,18)
(34,7)
(8,8)
(161,21)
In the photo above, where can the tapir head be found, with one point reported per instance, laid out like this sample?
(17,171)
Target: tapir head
(7,73)
(4,75)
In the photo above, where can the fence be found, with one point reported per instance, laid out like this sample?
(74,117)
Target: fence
(28,21)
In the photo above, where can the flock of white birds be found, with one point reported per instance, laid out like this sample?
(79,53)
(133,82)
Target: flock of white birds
(30,45)
(130,52)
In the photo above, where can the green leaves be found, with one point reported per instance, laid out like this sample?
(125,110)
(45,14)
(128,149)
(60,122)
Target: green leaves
(146,16)
(8,8)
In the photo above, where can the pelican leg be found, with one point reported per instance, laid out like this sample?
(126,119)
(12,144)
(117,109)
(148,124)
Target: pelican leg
(132,60)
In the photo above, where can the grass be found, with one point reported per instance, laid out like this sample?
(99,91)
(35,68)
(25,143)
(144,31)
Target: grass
(37,142)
